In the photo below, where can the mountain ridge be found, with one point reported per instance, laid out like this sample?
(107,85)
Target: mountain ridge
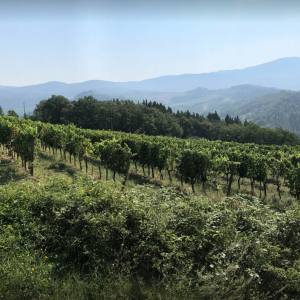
(281,74)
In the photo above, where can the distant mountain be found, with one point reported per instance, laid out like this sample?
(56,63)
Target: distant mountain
(94,94)
(3,87)
(13,98)
(281,109)
(281,74)
(244,91)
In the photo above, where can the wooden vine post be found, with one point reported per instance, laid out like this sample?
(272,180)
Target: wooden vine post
(230,179)
(127,168)
(32,157)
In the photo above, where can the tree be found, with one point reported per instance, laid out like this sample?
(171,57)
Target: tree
(55,110)
(86,112)
(1,111)
(213,117)
(228,119)
(12,113)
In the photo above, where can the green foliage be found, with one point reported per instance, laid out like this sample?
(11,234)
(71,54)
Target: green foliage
(112,154)
(167,243)
(194,164)
(294,181)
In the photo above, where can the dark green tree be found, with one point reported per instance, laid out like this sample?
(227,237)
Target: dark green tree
(213,117)
(228,119)
(12,113)
(55,110)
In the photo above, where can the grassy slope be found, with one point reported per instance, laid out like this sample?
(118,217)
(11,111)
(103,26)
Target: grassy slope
(65,235)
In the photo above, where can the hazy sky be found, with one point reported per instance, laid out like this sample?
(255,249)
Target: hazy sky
(74,41)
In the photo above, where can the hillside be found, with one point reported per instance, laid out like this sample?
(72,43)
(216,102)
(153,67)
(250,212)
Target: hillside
(281,109)
(202,100)
(94,94)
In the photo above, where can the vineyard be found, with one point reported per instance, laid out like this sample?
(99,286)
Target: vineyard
(193,161)
(72,235)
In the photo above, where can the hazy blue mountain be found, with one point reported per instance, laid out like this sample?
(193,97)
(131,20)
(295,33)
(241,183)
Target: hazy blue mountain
(13,98)
(94,94)
(68,90)
(282,74)
(244,91)
(4,87)
(133,95)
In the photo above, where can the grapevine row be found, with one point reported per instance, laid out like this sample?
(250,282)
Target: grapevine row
(199,160)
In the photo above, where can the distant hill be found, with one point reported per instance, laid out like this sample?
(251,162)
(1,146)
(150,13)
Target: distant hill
(94,94)
(204,100)
(281,74)
(3,87)
(281,109)
(13,98)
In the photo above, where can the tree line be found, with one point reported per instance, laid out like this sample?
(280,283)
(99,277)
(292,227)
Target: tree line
(153,118)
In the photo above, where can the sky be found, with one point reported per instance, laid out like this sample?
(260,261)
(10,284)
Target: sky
(131,40)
